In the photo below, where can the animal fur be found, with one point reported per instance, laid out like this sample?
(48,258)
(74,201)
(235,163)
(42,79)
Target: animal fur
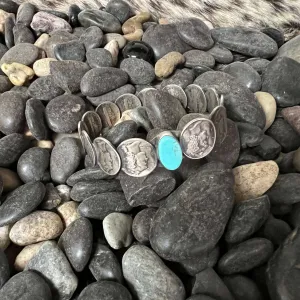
(281,14)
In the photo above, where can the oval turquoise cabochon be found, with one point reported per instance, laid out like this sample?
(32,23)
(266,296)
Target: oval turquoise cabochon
(169,152)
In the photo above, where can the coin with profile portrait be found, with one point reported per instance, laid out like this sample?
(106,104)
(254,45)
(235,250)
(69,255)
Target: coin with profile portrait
(198,138)
(93,124)
(138,157)
(109,113)
(128,101)
(108,158)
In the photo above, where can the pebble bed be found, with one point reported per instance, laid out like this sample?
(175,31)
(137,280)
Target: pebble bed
(224,227)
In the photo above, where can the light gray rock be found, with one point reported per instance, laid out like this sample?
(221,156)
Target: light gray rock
(147,276)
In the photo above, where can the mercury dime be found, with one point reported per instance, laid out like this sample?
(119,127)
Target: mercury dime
(139,116)
(177,92)
(188,118)
(198,138)
(109,113)
(93,123)
(219,118)
(108,158)
(128,101)
(138,157)
(212,99)
(88,147)
(196,100)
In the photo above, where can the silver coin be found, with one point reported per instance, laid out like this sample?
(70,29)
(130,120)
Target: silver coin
(188,118)
(128,101)
(212,99)
(109,113)
(93,124)
(221,100)
(177,92)
(138,157)
(81,127)
(88,147)
(196,100)
(139,116)
(198,138)
(219,118)
(143,94)
(108,158)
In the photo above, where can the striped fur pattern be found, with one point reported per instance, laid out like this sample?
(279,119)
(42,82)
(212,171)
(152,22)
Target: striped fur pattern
(282,14)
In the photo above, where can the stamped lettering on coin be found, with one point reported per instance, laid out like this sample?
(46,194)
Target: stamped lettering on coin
(109,113)
(138,157)
(108,158)
(198,138)
(219,118)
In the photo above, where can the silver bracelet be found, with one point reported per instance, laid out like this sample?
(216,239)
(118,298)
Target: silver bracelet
(197,135)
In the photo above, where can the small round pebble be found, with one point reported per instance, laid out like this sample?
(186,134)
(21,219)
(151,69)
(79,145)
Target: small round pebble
(92,37)
(138,70)
(97,58)
(117,230)
(72,50)
(64,112)
(194,58)
(33,165)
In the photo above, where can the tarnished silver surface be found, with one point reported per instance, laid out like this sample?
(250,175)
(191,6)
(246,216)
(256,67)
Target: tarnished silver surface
(188,118)
(212,99)
(198,138)
(196,100)
(219,117)
(109,113)
(177,92)
(81,126)
(88,147)
(108,158)
(138,157)
(128,101)
(93,124)
(139,116)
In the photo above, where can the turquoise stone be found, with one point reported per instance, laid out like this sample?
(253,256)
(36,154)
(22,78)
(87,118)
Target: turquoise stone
(169,152)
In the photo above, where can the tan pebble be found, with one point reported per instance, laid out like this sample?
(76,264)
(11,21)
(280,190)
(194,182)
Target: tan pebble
(26,255)
(42,66)
(68,212)
(3,16)
(4,236)
(43,144)
(114,36)
(269,106)
(134,36)
(134,23)
(42,41)
(253,180)
(56,137)
(163,21)
(36,227)
(10,179)
(17,73)
(296,160)
(113,48)
(165,66)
